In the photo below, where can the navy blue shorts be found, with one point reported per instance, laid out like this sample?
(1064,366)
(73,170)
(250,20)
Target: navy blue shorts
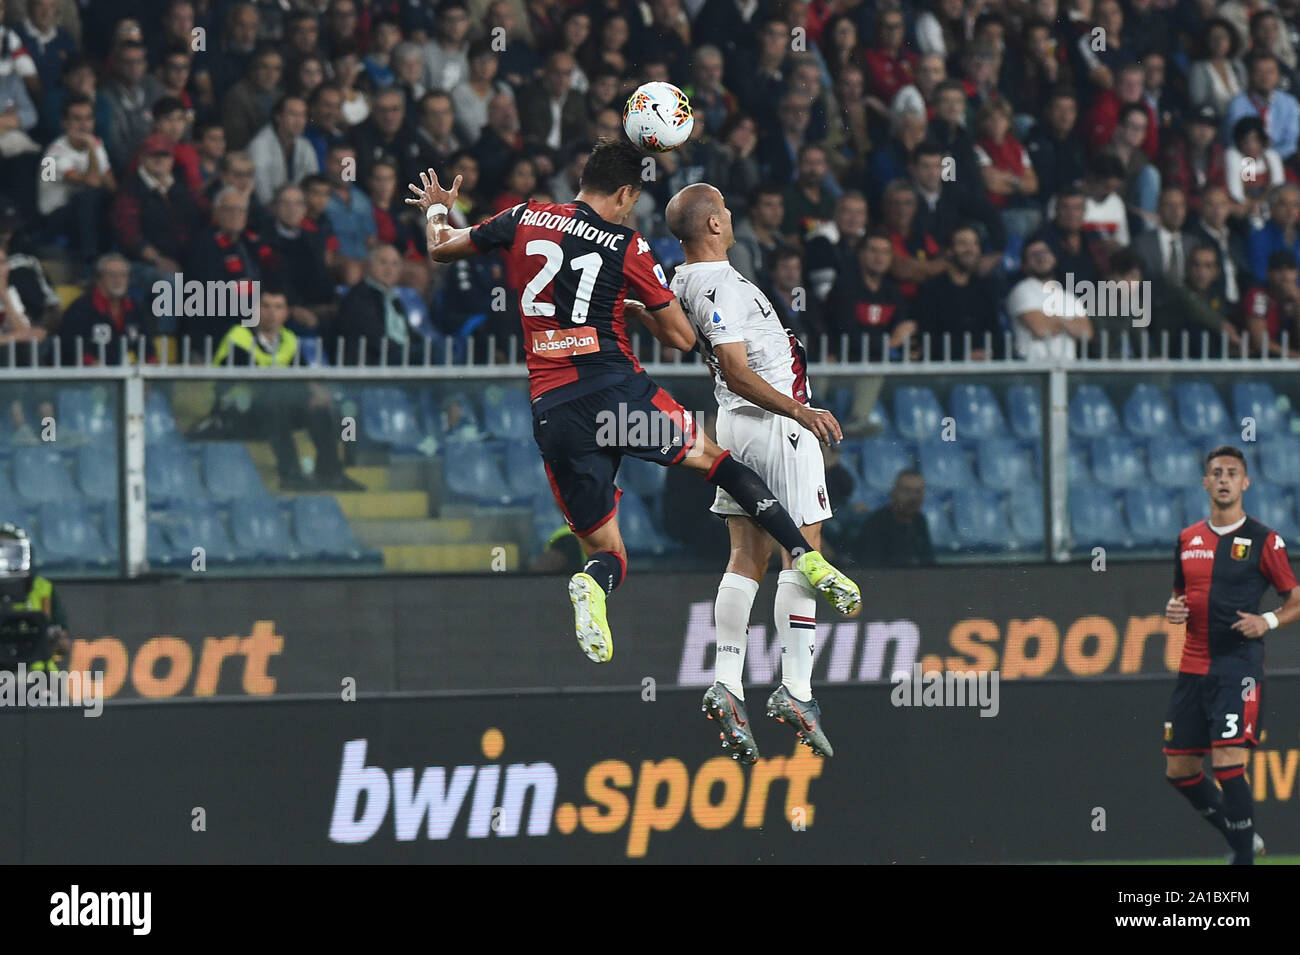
(1214,709)
(583,440)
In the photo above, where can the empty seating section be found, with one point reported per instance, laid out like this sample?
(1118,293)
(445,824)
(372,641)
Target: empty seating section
(1135,454)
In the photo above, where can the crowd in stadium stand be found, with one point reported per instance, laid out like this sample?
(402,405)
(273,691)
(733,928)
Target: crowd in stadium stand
(895,170)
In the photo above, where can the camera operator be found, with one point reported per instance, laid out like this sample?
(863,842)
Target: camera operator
(23,595)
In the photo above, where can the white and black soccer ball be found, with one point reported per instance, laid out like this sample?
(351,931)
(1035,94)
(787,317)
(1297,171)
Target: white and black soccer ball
(658,117)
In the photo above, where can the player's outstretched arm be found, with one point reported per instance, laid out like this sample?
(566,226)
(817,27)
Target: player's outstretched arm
(743,381)
(668,324)
(445,243)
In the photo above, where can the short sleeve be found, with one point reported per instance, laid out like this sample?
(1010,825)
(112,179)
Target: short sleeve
(1274,565)
(719,316)
(1024,298)
(646,281)
(499,231)
(1180,582)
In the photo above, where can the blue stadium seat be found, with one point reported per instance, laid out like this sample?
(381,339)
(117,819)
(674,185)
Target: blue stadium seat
(1173,462)
(229,472)
(638,528)
(169,475)
(1258,400)
(942,536)
(882,459)
(1147,412)
(448,416)
(85,410)
(1095,518)
(1248,449)
(1026,507)
(1273,506)
(976,412)
(42,475)
(525,473)
(201,524)
(1279,461)
(1196,505)
(506,413)
(159,423)
(945,465)
(97,472)
(1116,463)
(1025,411)
(71,537)
(979,517)
(160,551)
(321,530)
(260,530)
(917,413)
(472,473)
(869,498)
(1079,472)
(644,477)
(1200,409)
(389,416)
(1004,463)
(1091,413)
(1154,515)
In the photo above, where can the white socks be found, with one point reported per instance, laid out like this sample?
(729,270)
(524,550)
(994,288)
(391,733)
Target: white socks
(796,623)
(731,618)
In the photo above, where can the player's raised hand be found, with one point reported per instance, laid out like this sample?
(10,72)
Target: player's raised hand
(1251,625)
(1176,609)
(430,192)
(821,423)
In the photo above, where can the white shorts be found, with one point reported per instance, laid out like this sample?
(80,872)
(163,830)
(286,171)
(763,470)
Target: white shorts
(784,453)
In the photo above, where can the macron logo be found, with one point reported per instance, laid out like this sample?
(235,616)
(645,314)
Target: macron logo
(763,505)
(1278,542)
(1196,540)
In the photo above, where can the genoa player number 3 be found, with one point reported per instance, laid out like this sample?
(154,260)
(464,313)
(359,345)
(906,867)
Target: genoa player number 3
(588,264)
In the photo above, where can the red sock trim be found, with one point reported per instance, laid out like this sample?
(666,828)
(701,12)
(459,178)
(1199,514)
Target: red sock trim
(1230,772)
(724,454)
(621,562)
(1188,780)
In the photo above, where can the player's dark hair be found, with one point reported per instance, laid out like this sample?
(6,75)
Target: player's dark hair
(272,288)
(613,164)
(278,109)
(315,179)
(76,99)
(875,232)
(1226,451)
(1281,259)
(1069,192)
(1129,109)
(1123,262)
(926,148)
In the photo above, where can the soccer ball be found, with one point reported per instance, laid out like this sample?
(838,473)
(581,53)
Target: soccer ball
(658,117)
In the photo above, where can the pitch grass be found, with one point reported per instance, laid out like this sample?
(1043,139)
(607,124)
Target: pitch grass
(1213,860)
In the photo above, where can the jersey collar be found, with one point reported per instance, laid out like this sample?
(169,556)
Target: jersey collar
(1224,531)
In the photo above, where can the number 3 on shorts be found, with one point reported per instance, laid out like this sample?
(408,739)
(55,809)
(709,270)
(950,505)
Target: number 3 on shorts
(1232,725)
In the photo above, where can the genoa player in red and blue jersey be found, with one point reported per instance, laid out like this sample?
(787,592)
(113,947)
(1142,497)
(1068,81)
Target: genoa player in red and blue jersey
(580,274)
(1222,568)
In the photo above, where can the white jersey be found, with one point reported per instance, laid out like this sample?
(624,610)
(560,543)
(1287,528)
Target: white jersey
(726,307)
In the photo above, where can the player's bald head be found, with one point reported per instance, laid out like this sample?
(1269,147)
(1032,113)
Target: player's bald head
(688,212)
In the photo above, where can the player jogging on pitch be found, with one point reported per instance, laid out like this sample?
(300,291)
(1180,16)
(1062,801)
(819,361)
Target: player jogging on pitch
(764,418)
(580,270)
(1221,569)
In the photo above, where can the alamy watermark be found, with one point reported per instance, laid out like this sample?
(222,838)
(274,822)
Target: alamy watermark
(626,427)
(177,298)
(21,688)
(1112,299)
(947,688)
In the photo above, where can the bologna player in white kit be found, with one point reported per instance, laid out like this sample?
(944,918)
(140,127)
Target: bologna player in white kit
(766,422)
